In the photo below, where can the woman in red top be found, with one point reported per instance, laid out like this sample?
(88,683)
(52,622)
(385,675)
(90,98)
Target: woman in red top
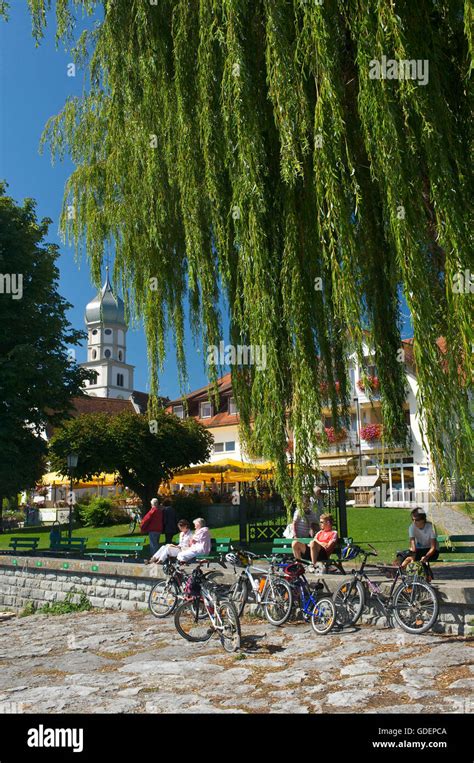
(324,541)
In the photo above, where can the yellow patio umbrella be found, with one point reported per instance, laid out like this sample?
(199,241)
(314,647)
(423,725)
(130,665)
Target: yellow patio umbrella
(190,479)
(53,478)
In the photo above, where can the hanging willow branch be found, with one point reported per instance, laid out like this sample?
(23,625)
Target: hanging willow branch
(244,145)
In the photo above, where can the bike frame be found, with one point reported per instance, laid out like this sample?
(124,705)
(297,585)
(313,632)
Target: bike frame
(385,600)
(211,605)
(260,597)
(308,599)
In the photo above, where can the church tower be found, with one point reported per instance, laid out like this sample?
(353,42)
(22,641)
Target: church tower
(106,346)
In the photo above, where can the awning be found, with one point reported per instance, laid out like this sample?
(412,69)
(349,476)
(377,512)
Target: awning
(53,478)
(224,465)
(327,463)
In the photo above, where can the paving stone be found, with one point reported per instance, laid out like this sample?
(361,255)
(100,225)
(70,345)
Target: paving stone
(414,709)
(349,698)
(285,677)
(363,667)
(463,683)
(117,661)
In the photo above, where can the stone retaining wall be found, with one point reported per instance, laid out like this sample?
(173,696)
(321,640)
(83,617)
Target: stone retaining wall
(25,583)
(126,586)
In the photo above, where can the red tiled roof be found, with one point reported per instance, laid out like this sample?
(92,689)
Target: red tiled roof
(224,384)
(221,419)
(89,404)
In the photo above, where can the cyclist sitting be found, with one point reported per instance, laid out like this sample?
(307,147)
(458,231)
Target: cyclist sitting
(423,543)
(323,544)
(173,549)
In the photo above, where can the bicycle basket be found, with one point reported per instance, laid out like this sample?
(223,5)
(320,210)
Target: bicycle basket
(293,570)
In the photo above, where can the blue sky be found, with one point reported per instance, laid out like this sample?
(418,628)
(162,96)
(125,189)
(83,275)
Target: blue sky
(34,84)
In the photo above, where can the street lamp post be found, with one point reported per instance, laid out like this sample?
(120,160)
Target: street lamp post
(357,405)
(72,460)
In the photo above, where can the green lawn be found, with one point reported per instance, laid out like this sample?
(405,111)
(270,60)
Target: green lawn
(386,529)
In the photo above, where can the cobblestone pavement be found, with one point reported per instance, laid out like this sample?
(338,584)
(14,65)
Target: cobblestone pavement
(132,663)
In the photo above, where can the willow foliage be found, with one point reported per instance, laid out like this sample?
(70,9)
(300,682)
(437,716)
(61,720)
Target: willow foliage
(243,145)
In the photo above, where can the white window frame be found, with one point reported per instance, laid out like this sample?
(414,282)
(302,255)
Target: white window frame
(181,414)
(233,403)
(230,450)
(219,449)
(201,415)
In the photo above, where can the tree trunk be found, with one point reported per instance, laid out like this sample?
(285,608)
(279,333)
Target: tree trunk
(1,513)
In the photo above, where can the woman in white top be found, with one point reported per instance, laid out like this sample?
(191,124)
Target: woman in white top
(173,549)
(200,543)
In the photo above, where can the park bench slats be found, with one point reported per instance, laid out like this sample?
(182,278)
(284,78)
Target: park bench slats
(218,546)
(74,546)
(24,544)
(450,544)
(122,547)
(283,547)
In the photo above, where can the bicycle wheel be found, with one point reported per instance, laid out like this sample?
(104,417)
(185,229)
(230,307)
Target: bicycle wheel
(189,624)
(238,594)
(349,602)
(323,616)
(163,598)
(415,606)
(228,619)
(278,601)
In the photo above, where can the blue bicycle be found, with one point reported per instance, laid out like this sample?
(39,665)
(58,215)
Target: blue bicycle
(320,612)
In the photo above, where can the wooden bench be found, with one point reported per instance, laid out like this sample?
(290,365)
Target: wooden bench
(283,547)
(122,547)
(219,546)
(73,546)
(450,544)
(19,544)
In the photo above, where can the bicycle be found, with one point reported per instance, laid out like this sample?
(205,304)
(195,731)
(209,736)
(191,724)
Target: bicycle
(165,594)
(203,600)
(134,521)
(270,592)
(321,612)
(412,602)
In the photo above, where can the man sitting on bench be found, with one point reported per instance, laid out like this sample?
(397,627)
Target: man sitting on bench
(323,544)
(423,543)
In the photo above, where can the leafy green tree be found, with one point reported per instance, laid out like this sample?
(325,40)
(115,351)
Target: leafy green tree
(37,378)
(264,145)
(143,453)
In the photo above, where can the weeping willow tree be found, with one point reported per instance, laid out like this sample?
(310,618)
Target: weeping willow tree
(254,147)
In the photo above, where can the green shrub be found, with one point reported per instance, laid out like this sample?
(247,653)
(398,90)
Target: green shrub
(28,609)
(99,513)
(67,606)
(87,498)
